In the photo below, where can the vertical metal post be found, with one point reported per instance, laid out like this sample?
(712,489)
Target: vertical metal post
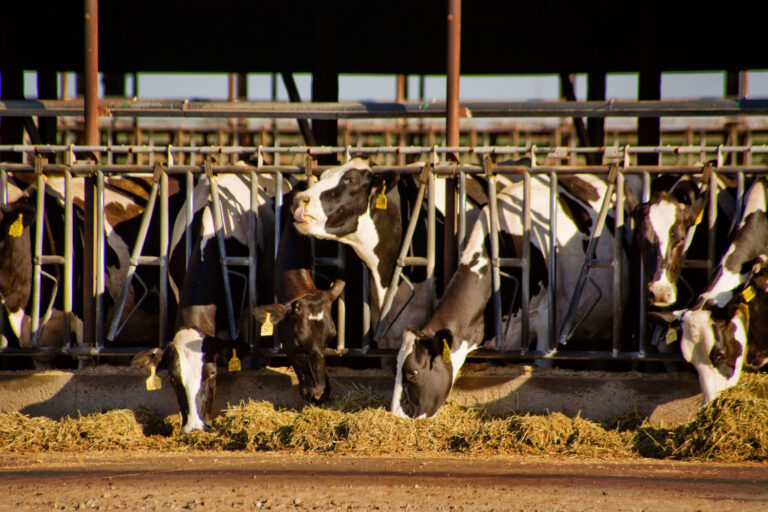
(493,229)
(643,290)
(91,68)
(526,255)
(164,243)
(4,186)
(100,260)
(37,269)
(552,261)
(341,319)
(190,213)
(712,212)
(431,233)
(69,254)
(462,210)
(366,288)
(253,255)
(278,216)
(618,253)
(453,71)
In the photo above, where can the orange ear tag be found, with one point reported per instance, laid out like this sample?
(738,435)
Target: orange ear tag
(234,363)
(17,228)
(153,382)
(381,199)
(267,329)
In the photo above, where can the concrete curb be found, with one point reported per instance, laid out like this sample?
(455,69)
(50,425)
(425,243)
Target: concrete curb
(664,398)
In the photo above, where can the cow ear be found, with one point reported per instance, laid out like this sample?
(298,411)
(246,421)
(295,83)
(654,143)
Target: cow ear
(276,312)
(147,359)
(389,179)
(336,289)
(442,342)
(665,318)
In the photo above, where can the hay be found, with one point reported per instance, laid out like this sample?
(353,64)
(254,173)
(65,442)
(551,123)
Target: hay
(733,428)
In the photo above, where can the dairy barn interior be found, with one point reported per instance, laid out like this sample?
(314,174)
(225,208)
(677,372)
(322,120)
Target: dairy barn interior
(86,141)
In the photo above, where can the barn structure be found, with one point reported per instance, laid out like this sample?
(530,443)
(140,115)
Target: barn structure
(327,39)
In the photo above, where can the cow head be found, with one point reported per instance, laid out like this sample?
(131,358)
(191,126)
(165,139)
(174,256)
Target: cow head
(190,361)
(305,328)
(663,232)
(424,373)
(713,340)
(16,254)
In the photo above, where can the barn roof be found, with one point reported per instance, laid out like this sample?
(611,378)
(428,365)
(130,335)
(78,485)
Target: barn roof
(398,36)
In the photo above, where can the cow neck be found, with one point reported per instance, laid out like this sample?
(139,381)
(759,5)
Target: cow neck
(16,272)
(463,304)
(377,242)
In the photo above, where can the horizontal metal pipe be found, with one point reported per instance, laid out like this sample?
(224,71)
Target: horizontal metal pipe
(44,259)
(327,261)
(381,110)
(235,260)
(558,151)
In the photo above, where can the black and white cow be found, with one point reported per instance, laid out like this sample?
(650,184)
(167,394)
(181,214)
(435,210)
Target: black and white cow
(430,357)
(341,206)
(303,314)
(201,333)
(16,278)
(663,232)
(714,331)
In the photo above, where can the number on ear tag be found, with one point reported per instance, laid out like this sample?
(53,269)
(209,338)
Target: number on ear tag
(234,363)
(381,199)
(748,294)
(17,228)
(446,352)
(267,329)
(671,336)
(153,381)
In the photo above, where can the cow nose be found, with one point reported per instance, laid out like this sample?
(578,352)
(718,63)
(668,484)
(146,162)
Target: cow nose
(661,294)
(299,201)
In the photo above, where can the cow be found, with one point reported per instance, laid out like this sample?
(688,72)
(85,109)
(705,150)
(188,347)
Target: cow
(303,314)
(200,335)
(431,356)
(16,274)
(342,206)
(714,330)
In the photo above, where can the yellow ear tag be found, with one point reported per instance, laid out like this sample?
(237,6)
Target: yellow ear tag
(671,336)
(17,228)
(446,353)
(700,217)
(381,199)
(267,329)
(749,293)
(153,382)
(234,363)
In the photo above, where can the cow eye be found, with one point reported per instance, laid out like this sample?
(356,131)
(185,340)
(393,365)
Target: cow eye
(411,375)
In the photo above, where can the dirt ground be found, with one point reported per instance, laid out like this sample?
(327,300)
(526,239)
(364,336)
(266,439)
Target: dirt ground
(271,481)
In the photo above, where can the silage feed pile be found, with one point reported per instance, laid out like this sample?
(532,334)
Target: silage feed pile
(733,428)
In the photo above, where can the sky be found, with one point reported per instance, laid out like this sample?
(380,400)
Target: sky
(382,87)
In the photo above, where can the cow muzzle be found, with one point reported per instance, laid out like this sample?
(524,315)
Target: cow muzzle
(661,294)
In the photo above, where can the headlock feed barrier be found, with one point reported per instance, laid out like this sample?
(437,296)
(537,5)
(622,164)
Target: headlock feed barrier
(619,163)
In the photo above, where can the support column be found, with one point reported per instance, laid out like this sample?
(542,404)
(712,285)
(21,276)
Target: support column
(648,128)
(596,92)
(453,72)
(91,136)
(11,128)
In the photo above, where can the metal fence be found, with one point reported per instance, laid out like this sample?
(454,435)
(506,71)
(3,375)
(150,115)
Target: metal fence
(550,161)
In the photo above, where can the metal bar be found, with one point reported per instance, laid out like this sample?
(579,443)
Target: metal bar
(493,223)
(253,256)
(190,214)
(526,257)
(278,216)
(100,260)
(219,226)
(597,229)
(138,247)
(381,110)
(341,307)
(462,234)
(552,262)
(618,255)
(37,268)
(69,255)
(431,234)
(643,290)
(165,227)
(366,291)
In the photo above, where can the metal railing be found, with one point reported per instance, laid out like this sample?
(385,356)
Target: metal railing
(545,161)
